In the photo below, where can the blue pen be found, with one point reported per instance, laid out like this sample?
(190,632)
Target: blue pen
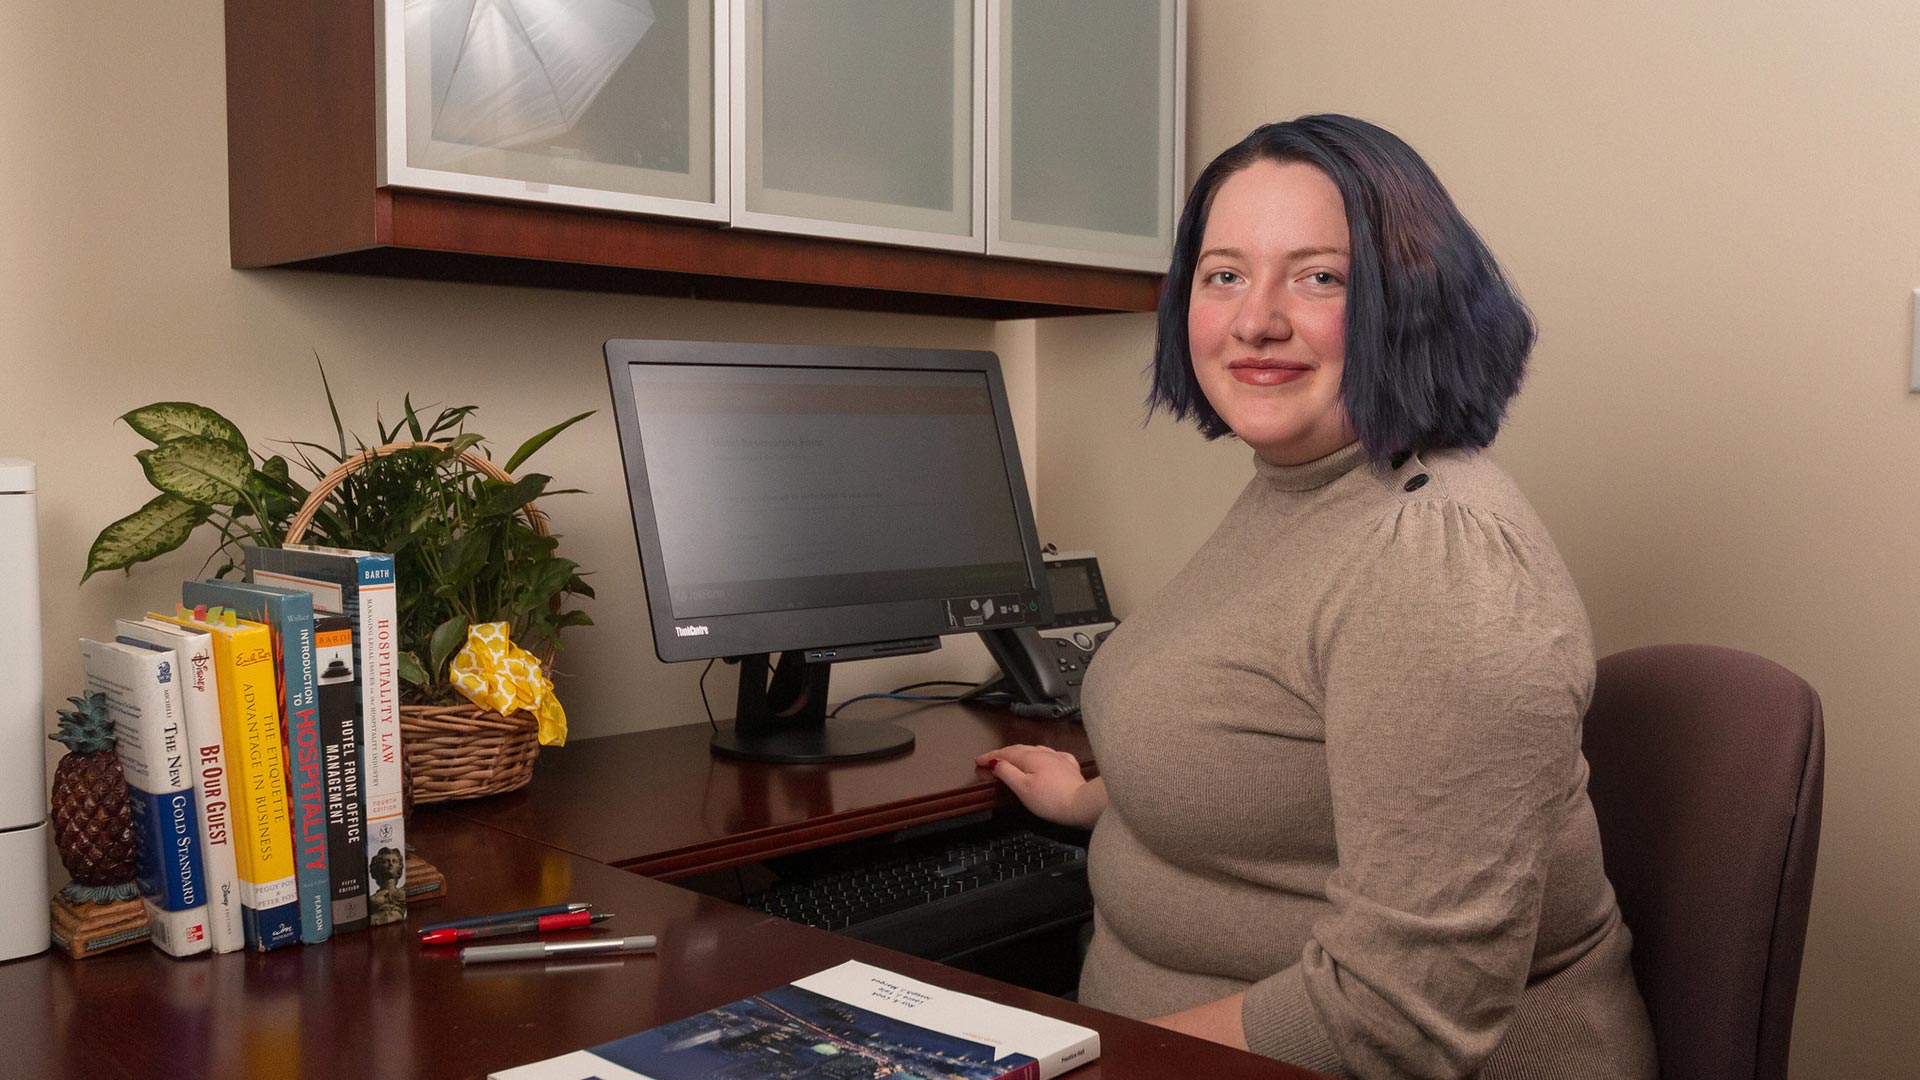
(504,916)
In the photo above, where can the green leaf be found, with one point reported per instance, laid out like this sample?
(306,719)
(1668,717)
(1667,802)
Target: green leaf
(465,557)
(527,448)
(446,641)
(462,443)
(165,421)
(505,499)
(155,529)
(339,431)
(413,420)
(199,469)
(451,418)
(412,672)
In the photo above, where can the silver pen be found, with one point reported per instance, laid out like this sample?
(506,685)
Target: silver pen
(533,950)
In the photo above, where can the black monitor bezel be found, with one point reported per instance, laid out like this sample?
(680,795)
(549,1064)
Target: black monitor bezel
(829,627)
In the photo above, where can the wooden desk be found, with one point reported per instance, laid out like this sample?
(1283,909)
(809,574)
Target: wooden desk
(659,803)
(377,1005)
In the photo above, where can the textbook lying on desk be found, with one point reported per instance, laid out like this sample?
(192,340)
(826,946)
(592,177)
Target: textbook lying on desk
(818,1028)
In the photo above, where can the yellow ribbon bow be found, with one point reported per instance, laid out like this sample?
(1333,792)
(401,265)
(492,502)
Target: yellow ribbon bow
(496,674)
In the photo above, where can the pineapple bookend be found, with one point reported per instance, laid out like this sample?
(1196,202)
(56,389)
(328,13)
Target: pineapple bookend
(93,830)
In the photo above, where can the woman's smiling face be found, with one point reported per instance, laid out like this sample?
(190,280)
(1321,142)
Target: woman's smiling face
(1266,321)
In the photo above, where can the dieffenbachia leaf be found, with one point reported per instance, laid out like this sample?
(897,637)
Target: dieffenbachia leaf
(199,469)
(165,421)
(154,529)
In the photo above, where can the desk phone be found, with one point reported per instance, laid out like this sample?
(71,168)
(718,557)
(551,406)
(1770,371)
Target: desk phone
(1042,667)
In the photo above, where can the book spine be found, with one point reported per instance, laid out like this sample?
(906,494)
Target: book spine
(210,786)
(1087,1049)
(143,696)
(340,747)
(200,704)
(380,750)
(306,782)
(167,853)
(269,890)
(177,933)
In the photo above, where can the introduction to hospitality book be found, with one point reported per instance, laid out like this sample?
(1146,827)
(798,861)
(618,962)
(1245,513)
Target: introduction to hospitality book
(852,1020)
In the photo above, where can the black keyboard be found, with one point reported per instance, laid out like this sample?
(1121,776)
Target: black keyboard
(943,897)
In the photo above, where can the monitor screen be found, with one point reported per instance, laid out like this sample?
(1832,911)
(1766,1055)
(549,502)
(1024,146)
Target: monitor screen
(806,497)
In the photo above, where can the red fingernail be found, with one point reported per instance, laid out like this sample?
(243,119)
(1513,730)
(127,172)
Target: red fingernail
(992,761)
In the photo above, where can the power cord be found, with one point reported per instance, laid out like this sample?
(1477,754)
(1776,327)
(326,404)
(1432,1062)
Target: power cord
(703,697)
(901,694)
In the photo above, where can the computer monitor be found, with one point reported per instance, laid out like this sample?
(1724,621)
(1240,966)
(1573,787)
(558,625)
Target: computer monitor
(823,503)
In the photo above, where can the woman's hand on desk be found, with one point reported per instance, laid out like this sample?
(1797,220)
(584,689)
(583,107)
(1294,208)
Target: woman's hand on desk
(1048,782)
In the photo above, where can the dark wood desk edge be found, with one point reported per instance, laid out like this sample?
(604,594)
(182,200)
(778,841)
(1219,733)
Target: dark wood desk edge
(819,832)
(983,795)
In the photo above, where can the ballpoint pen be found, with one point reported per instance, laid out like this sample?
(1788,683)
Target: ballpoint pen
(534,950)
(572,920)
(504,916)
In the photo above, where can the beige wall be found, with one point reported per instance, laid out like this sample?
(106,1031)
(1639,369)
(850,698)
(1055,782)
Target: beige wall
(1710,206)
(1712,209)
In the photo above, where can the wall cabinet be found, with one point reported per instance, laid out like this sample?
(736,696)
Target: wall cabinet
(1087,108)
(861,119)
(992,158)
(592,103)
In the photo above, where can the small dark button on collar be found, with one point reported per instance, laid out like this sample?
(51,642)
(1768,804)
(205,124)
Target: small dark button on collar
(1416,483)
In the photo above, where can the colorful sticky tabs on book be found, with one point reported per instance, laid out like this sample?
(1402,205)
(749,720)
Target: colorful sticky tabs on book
(496,674)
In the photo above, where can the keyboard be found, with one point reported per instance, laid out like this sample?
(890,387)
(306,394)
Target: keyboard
(945,896)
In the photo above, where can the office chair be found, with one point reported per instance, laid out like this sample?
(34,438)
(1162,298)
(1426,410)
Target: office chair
(1706,776)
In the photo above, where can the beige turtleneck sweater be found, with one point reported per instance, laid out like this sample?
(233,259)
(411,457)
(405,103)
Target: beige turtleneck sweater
(1342,753)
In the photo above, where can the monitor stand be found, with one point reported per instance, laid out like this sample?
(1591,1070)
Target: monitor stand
(786,722)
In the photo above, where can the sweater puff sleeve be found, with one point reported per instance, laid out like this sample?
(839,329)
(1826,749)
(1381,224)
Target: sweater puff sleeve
(1457,668)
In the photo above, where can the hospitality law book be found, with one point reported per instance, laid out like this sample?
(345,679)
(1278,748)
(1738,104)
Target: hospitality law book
(852,1020)
(288,616)
(143,697)
(365,581)
(250,721)
(200,702)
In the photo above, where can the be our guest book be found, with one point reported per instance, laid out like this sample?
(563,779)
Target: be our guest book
(850,1021)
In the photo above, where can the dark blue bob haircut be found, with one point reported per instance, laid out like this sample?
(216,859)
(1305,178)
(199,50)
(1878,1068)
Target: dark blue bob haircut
(1436,338)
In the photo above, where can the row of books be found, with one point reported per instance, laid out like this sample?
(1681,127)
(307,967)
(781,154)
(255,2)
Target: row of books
(259,731)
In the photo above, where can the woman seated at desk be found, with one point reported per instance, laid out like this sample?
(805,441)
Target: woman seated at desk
(1342,818)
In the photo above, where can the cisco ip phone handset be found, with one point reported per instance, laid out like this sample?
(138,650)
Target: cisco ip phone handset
(1042,666)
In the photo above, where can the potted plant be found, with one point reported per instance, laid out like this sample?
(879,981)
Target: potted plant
(471,553)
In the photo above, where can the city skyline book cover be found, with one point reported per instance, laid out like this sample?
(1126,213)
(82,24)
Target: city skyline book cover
(851,1022)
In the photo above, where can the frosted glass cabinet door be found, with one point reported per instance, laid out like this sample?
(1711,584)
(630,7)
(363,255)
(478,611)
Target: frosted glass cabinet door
(861,119)
(600,103)
(1087,130)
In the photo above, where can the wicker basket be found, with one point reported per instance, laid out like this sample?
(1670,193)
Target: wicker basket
(451,751)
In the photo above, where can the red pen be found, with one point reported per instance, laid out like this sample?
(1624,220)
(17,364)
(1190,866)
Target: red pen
(572,920)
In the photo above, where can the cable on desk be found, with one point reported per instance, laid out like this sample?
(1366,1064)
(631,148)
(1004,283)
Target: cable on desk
(703,696)
(898,696)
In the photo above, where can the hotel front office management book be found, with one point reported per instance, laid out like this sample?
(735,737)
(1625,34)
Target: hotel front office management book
(854,1020)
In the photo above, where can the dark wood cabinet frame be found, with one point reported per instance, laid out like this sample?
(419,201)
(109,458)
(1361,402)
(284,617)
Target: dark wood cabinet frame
(301,168)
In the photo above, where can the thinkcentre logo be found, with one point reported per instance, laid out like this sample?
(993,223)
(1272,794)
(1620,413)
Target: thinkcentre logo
(690,631)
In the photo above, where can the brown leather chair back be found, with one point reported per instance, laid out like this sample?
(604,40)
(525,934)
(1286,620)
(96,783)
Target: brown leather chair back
(1706,776)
